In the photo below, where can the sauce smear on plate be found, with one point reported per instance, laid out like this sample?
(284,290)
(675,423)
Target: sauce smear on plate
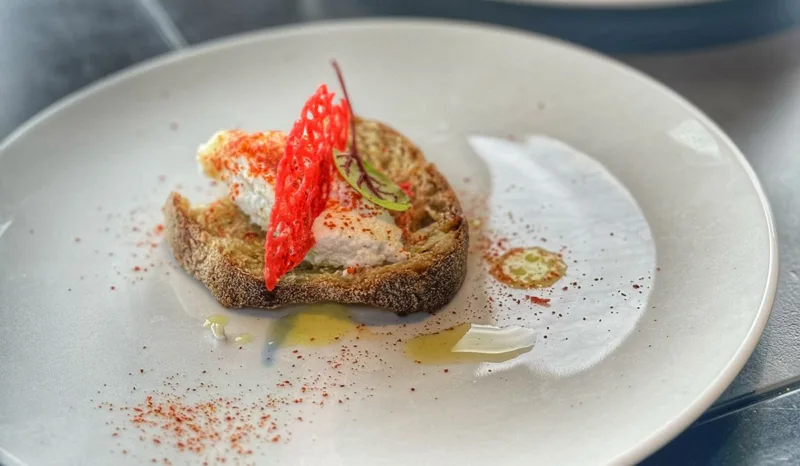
(529,268)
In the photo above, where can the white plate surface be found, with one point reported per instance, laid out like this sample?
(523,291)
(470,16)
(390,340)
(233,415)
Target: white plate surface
(550,145)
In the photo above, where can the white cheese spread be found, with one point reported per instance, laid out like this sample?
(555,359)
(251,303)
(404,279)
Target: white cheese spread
(350,232)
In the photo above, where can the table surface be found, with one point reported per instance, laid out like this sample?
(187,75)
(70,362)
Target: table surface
(50,48)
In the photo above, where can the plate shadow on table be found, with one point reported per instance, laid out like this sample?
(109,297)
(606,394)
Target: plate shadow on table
(757,428)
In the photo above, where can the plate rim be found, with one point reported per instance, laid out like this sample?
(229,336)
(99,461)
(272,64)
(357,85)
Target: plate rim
(656,439)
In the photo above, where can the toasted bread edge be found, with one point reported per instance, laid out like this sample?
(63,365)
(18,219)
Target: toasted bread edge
(402,291)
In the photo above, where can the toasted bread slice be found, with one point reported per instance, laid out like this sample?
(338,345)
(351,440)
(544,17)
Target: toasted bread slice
(219,246)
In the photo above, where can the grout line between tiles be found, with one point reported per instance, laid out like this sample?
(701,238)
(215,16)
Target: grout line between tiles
(166,27)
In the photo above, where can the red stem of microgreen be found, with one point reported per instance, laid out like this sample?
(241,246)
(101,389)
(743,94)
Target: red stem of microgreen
(353,154)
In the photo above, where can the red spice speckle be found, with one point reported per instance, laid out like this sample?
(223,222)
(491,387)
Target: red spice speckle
(539,301)
(406,187)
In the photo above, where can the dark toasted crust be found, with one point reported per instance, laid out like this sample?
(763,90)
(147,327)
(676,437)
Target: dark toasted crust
(438,242)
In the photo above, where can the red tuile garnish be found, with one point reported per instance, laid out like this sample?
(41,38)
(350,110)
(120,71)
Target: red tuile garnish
(303,181)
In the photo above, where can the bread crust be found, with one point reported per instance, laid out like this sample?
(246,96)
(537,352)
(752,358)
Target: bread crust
(436,232)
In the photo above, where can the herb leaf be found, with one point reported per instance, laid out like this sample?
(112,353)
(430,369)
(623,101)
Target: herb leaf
(370,182)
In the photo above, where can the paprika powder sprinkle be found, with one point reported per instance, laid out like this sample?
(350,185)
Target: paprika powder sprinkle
(539,301)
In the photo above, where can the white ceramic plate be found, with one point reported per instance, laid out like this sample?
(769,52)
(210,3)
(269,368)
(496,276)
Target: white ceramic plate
(639,181)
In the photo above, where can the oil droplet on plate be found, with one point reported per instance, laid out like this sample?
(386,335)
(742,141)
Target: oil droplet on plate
(529,268)
(317,325)
(244,338)
(217,325)
(437,348)
(216,319)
